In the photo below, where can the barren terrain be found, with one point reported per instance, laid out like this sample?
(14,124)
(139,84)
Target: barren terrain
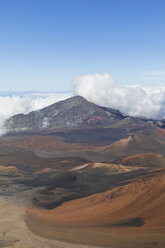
(98,182)
(13,229)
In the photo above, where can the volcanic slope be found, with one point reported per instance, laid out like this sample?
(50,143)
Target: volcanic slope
(152,160)
(53,150)
(74,113)
(134,144)
(70,113)
(102,171)
(135,209)
(117,206)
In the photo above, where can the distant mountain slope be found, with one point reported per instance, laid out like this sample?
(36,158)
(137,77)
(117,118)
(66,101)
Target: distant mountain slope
(134,144)
(70,113)
(153,160)
(75,113)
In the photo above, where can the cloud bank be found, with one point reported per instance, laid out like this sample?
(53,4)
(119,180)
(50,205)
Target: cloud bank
(102,89)
(23,103)
(133,100)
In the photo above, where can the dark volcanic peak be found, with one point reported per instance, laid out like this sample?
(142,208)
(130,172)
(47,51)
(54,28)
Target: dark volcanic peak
(70,113)
(77,112)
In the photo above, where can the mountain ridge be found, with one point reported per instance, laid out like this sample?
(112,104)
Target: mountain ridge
(72,113)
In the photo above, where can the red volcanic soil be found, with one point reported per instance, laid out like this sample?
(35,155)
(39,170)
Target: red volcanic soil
(160,133)
(145,160)
(43,171)
(104,168)
(130,216)
(137,204)
(119,147)
(135,144)
(95,119)
(12,167)
(47,143)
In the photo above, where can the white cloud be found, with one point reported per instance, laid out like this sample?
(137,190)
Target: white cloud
(15,104)
(101,89)
(45,122)
(133,100)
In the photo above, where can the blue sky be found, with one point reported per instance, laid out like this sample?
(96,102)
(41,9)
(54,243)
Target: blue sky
(44,43)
